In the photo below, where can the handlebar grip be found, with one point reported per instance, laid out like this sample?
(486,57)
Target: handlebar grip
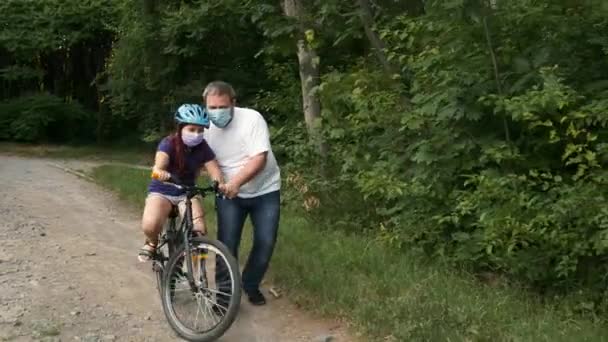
(172,178)
(156,175)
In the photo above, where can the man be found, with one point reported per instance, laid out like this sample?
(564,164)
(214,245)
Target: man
(240,140)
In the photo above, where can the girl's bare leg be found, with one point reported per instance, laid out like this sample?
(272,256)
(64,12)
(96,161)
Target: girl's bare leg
(155,213)
(198,216)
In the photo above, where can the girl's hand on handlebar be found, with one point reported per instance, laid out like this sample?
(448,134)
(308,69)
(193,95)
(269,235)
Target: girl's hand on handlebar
(161,175)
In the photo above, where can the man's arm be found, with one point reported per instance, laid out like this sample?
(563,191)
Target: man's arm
(249,170)
(257,147)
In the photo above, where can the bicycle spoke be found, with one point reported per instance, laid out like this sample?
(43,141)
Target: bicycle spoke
(203,307)
(219,292)
(225,282)
(183,290)
(219,305)
(210,311)
(198,309)
(215,277)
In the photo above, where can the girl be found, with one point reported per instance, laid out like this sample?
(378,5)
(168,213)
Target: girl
(182,154)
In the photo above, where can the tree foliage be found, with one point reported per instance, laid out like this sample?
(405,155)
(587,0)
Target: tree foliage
(471,129)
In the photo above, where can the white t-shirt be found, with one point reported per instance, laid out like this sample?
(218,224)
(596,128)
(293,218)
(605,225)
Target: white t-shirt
(234,145)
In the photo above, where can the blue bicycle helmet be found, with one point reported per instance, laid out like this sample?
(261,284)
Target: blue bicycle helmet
(192,114)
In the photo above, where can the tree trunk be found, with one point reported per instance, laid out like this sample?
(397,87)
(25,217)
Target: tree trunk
(496,73)
(367,19)
(154,61)
(309,75)
(378,46)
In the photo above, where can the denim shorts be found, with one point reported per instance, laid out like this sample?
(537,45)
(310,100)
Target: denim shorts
(175,200)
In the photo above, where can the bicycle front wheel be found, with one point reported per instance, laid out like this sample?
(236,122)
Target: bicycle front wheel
(164,252)
(203,310)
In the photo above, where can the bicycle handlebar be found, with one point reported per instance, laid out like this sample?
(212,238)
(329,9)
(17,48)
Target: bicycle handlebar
(176,182)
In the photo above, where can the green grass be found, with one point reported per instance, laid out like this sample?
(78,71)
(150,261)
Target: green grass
(46,329)
(133,155)
(384,293)
(130,184)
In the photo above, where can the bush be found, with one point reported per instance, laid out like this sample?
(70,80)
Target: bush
(511,180)
(44,118)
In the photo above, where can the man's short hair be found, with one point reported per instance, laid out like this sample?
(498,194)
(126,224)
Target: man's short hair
(219,88)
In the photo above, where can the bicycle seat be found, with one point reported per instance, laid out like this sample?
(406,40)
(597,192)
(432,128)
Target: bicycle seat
(174,212)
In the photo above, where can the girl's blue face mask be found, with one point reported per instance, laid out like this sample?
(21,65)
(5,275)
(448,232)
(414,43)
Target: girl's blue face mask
(220,117)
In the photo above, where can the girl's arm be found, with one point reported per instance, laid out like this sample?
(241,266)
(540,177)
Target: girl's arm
(161,163)
(213,169)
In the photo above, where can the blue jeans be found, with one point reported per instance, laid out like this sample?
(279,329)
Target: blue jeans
(264,212)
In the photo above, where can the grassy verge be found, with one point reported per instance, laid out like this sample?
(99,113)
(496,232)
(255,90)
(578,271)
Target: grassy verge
(133,155)
(384,293)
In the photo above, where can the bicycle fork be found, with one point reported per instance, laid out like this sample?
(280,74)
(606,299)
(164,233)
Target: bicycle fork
(195,265)
(187,248)
(158,263)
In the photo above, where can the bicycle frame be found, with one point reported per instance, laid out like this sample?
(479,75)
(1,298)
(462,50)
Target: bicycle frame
(188,223)
(185,228)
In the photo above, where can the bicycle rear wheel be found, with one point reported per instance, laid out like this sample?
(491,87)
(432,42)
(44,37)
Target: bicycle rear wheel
(215,299)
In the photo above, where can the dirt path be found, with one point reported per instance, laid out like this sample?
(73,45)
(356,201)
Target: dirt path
(68,269)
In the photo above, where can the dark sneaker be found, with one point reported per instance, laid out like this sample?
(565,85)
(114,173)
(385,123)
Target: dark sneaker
(256,297)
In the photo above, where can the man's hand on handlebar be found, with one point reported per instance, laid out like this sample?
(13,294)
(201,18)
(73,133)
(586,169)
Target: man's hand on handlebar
(229,189)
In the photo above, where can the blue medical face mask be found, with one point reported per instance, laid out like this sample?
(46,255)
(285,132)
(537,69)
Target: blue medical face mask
(220,117)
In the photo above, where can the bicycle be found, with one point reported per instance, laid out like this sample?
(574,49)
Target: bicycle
(197,273)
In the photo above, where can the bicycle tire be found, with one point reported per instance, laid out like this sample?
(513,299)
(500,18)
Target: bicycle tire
(159,281)
(169,232)
(172,236)
(233,308)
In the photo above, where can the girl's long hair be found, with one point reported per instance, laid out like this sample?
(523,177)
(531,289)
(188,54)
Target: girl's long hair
(179,150)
